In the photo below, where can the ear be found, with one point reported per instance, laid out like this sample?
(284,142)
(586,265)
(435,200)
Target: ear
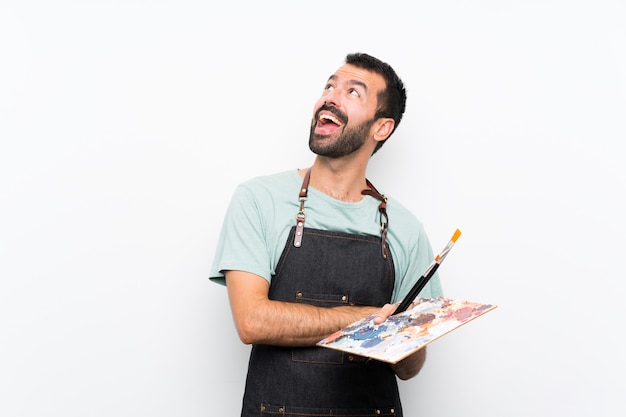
(383,128)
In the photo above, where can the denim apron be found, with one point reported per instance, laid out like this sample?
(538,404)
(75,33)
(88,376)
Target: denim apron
(325,268)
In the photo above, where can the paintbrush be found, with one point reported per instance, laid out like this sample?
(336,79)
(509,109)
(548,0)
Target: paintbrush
(430,271)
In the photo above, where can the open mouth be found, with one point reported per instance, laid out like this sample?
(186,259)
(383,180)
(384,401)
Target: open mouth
(325,119)
(327,122)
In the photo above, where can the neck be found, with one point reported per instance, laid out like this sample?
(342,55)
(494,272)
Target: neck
(340,180)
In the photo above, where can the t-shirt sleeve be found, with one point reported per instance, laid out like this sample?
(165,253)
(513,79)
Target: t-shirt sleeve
(241,245)
(421,256)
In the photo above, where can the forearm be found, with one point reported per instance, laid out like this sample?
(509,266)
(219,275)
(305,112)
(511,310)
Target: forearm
(294,324)
(261,320)
(411,365)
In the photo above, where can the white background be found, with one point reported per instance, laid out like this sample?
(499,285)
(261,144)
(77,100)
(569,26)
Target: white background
(126,125)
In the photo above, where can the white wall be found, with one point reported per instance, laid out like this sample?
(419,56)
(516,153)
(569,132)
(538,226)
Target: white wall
(125,126)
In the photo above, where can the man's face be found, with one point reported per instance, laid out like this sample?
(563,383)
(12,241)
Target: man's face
(344,114)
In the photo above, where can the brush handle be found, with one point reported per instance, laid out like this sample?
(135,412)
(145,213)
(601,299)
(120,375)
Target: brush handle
(419,286)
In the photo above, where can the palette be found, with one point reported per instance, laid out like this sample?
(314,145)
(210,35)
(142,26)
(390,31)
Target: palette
(404,333)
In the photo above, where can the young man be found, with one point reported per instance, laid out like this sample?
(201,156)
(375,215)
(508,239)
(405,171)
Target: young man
(304,253)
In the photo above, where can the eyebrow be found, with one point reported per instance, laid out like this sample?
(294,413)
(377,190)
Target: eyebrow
(351,82)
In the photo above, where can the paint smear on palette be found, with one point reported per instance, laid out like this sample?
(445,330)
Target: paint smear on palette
(404,333)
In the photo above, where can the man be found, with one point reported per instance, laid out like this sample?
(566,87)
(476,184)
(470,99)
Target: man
(304,253)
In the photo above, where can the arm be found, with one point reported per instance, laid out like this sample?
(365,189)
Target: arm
(410,366)
(261,320)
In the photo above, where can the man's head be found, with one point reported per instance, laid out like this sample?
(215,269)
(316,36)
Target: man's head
(363,99)
(392,100)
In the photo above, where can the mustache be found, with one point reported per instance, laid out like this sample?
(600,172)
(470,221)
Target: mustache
(334,110)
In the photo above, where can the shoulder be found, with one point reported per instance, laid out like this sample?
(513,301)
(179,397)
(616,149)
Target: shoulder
(272,182)
(268,193)
(406,216)
(405,227)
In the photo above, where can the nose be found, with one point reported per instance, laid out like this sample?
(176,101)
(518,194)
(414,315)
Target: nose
(331,97)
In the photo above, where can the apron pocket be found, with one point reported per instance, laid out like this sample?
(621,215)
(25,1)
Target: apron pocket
(289,411)
(322,300)
(317,355)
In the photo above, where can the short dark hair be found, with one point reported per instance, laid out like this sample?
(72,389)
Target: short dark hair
(392,100)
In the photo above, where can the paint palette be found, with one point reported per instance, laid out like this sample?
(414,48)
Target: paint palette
(404,333)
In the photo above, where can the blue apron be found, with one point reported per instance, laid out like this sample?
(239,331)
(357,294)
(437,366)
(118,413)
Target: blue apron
(324,268)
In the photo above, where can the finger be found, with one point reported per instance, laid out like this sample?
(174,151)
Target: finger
(384,313)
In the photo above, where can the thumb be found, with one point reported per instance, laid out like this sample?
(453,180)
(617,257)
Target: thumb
(384,313)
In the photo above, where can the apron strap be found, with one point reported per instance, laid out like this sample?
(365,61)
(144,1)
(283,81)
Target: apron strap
(300,216)
(371,191)
(382,208)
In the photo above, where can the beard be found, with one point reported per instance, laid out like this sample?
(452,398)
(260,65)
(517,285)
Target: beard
(348,141)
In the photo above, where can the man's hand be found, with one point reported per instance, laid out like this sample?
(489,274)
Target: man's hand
(384,313)
(411,365)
